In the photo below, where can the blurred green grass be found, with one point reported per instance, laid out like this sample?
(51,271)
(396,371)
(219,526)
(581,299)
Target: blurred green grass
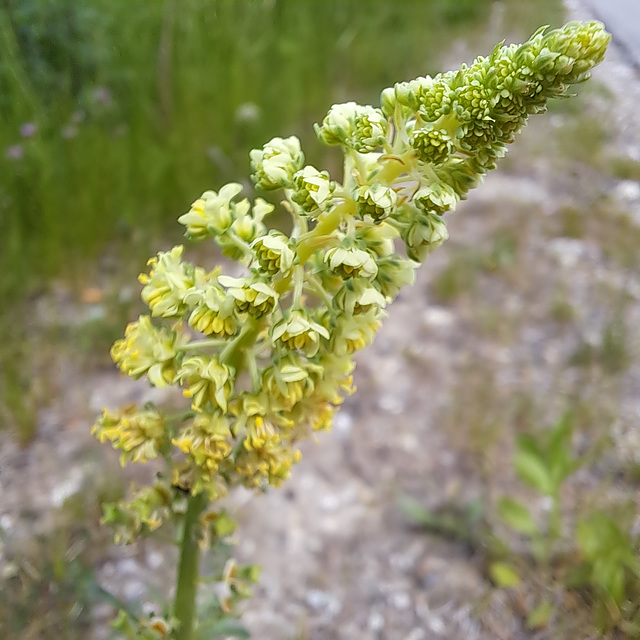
(116,115)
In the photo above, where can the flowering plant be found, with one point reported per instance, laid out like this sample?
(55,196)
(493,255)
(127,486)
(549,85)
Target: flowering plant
(266,358)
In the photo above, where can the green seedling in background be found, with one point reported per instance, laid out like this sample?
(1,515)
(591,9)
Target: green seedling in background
(543,462)
(596,555)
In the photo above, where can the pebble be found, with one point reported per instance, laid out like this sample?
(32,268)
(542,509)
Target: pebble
(324,602)
(375,621)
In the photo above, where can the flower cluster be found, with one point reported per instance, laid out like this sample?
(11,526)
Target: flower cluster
(265,358)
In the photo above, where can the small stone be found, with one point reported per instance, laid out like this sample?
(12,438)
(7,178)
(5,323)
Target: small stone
(437,317)
(155,559)
(400,601)
(628,190)
(375,621)
(392,403)
(323,601)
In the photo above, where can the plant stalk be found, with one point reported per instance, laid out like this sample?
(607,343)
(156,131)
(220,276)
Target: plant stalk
(188,569)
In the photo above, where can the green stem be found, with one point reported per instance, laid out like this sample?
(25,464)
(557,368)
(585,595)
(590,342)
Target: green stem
(188,569)
(555,522)
(202,344)
(395,166)
(327,224)
(233,353)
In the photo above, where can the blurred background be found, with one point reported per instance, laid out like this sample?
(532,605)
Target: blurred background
(115,116)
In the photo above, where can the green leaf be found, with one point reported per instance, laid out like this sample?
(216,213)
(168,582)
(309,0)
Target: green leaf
(539,617)
(532,469)
(610,576)
(416,512)
(599,535)
(561,462)
(504,575)
(517,516)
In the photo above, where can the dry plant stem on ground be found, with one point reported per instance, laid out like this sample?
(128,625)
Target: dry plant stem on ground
(266,358)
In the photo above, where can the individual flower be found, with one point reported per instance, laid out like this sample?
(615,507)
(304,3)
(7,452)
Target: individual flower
(270,462)
(406,94)
(248,227)
(288,381)
(213,310)
(207,440)
(148,510)
(297,330)
(394,273)
(167,283)
(376,201)
(356,332)
(426,232)
(258,432)
(362,128)
(378,239)
(140,435)
(312,190)
(473,99)
(210,215)
(273,166)
(273,253)
(436,197)
(358,295)
(146,349)
(350,262)
(254,297)
(207,381)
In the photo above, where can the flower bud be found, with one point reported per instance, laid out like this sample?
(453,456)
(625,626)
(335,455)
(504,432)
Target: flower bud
(312,190)
(273,253)
(432,145)
(256,298)
(351,262)
(358,127)
(273,166)
(394,273)
(436,197)
(409,94)
(425,233)
(358,296)
(376,201)
(388,102)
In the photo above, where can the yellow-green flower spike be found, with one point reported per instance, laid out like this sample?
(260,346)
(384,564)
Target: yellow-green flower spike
(264,354)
